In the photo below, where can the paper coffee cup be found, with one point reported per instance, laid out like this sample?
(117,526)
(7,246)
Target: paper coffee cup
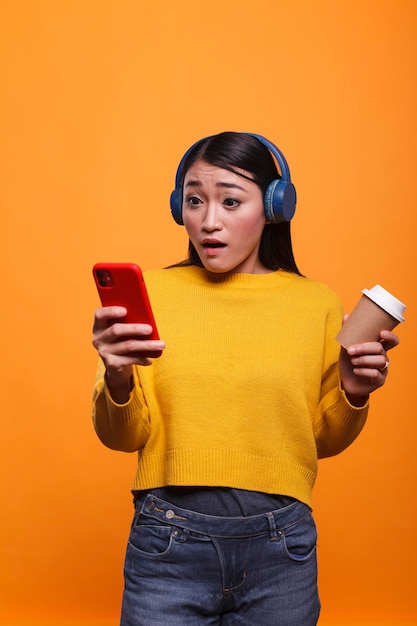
(377,310)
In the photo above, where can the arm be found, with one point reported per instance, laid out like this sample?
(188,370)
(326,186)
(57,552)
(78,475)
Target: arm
(346,387)
(120,413)
(337,421)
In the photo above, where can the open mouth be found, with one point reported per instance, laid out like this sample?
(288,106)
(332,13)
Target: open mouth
(212,248)
(214,245)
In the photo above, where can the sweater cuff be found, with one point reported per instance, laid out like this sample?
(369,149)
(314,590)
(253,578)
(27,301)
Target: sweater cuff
(353,406)
(346,413)
(129,410)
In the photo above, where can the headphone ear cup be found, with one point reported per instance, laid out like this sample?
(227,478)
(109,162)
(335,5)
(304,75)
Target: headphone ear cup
(279,201)
(176,205)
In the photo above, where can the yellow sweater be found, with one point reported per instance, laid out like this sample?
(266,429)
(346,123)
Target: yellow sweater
(247,392)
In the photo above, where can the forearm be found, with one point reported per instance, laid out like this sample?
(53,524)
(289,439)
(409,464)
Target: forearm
(120,385)
(120,425)
(338,422)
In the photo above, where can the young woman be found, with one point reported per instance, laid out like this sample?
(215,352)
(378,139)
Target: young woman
(251,389)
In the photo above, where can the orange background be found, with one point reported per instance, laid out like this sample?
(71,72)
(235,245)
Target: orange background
(100,98)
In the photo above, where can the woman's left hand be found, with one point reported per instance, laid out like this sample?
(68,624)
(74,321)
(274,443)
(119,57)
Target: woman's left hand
(364,367)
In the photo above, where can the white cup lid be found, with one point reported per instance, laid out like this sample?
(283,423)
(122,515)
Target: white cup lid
(386,301)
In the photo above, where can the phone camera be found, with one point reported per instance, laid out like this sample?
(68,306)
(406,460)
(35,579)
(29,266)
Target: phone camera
(104,278)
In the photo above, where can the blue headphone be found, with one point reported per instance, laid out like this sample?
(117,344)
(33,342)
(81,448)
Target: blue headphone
(280,197)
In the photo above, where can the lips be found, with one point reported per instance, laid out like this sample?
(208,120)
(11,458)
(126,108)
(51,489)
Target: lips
(212,244)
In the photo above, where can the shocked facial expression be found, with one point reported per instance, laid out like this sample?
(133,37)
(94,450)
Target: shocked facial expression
(223,214)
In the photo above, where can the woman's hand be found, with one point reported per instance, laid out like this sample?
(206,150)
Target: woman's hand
(364,367)
(120,346)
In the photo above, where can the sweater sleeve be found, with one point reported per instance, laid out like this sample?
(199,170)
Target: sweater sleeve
(337,423)
(123,427)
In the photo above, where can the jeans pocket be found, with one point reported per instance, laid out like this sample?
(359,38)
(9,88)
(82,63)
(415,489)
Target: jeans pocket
(300,539)
(151,539)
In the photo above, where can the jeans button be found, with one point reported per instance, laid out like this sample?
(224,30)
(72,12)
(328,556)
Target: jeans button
(169,514)
(150,506)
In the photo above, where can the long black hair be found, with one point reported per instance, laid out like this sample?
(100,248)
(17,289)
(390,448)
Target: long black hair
(241,151)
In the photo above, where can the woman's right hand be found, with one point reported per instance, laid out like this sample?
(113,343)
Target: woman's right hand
(121,346)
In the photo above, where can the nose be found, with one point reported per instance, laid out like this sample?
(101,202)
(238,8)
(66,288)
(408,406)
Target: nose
(211,220)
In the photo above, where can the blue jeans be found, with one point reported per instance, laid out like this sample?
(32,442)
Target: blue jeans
(186,569)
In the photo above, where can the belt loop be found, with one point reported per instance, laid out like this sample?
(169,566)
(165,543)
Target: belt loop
(272,527)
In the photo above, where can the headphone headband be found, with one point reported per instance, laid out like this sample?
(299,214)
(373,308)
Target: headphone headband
(280,197)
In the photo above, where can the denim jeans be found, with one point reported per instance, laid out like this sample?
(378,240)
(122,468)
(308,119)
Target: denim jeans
(186,568)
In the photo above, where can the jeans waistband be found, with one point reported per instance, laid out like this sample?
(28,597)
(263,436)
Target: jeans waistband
(270,522)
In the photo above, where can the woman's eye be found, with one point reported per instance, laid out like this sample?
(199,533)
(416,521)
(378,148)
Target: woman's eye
(193,200)
(231,203)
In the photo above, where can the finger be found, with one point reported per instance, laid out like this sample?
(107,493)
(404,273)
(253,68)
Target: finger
(130,352)
(117,331)
(373,374)
(107,314)
(132,345)
(369,347)
(389,339)
(117,362)
(378,361)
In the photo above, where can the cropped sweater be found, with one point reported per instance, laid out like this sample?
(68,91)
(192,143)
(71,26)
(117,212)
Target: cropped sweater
(247,391)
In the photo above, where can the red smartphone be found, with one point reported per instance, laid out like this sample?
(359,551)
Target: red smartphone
(122,284)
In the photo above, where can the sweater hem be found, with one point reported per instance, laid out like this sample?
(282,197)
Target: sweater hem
(224,468)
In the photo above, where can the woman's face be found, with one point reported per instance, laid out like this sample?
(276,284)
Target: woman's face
(223,214)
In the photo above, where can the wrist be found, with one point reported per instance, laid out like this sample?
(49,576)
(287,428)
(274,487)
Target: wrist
(119,384)
(356,400)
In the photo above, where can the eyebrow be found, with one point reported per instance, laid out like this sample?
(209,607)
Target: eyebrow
(197,183)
